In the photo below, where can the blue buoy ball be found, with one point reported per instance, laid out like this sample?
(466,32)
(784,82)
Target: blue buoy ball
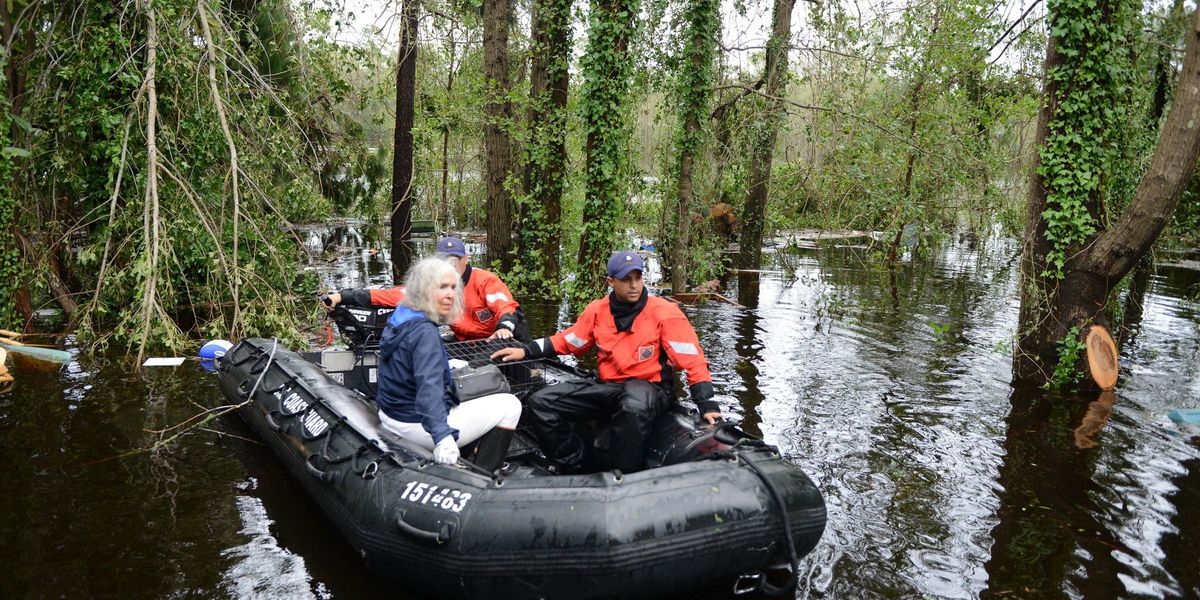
(215,349)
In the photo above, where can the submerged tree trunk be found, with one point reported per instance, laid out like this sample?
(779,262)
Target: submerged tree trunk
(898,215)
(402,159)
(1052,306)
(498,114)
(759,171)
(540,220)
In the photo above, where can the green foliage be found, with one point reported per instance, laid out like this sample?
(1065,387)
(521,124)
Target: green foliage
(1081,146)
(918,90)
(1070,351)
(1185,222)
(447,188)
(941,332)
(289,106)
(697,72)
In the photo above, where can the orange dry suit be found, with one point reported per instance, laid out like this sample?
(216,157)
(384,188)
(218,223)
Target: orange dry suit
(637,345)
(487,302)
(660,336)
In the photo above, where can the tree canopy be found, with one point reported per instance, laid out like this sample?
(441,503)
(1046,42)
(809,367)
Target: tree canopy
(156,153)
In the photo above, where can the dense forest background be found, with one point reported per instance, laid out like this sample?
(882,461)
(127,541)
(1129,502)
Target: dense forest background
(155,154)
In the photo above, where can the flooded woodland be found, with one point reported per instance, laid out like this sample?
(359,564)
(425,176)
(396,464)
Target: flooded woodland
(890,388)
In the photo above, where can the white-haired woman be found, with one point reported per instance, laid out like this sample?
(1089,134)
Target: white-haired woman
(414,397)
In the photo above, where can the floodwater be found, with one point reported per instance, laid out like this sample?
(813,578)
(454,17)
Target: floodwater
(889,388)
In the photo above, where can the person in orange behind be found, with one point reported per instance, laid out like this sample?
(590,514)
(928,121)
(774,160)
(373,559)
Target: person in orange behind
(639,339)
(490,312)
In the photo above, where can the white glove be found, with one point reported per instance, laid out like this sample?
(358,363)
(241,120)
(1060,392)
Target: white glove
(457,363)
(446,451)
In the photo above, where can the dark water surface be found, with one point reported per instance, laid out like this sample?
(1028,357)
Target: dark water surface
(890,389)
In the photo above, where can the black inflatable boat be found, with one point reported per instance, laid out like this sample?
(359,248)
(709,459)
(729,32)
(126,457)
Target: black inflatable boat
(715,506)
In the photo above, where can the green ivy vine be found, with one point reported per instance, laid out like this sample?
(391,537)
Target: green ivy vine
(607,68)
(697,69)
(545,156)
(1070,350)
(1081,147)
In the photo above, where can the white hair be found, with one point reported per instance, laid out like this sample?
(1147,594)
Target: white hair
(421,286)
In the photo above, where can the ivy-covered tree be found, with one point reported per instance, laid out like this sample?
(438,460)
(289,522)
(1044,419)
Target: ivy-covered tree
(1072,258)
(702,20)
(606,69)
(539,224)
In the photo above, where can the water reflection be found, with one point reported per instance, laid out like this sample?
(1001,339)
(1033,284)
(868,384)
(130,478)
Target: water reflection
(889,387)
(1048,540)
(748,351)
(262,569)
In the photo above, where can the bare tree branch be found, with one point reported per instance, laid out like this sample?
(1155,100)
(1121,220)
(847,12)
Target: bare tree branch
(236,328)
(150,211)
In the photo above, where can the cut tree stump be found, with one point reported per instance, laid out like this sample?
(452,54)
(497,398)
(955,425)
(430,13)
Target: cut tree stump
(1102,357)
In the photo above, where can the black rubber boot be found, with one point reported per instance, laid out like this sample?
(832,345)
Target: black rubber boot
(493,448)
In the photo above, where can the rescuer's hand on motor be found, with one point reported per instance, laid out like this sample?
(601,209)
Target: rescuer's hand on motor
(330,301)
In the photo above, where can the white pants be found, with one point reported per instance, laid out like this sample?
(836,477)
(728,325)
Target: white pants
(472,419)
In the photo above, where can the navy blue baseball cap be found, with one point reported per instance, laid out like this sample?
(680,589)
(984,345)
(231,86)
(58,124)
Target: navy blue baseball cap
(451,246)
(621,264)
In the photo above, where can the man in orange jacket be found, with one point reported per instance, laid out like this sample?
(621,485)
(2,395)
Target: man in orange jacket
(639,340)
(490,311)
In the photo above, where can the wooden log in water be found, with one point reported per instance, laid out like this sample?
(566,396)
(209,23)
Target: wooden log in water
(693,297)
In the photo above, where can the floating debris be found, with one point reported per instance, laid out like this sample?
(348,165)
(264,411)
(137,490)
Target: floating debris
(6,378)
(697,297)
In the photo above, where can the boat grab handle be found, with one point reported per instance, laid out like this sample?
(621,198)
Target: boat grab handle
(441,536)
(747,584)
(788,587)
(315,472)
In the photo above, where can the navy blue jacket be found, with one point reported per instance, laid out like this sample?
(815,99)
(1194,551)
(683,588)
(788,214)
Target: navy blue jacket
(414,373)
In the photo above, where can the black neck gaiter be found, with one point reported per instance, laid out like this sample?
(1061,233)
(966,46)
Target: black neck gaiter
(624,312)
